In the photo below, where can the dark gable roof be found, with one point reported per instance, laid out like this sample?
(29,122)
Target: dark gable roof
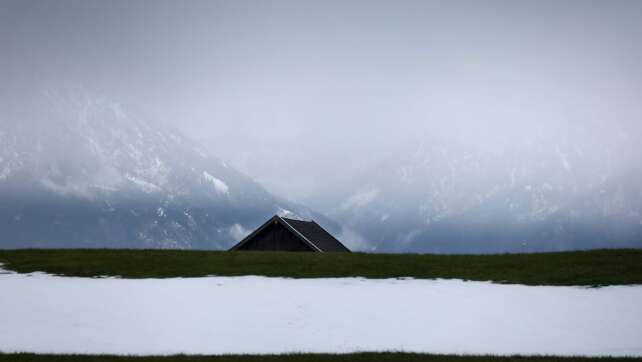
(308,232)
(316,235)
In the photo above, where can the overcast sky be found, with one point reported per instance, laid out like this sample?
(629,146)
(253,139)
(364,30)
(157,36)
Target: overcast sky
(322,90)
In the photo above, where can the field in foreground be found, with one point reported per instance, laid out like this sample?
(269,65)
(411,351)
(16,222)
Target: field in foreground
(356,357)
(593,268)
(263,315)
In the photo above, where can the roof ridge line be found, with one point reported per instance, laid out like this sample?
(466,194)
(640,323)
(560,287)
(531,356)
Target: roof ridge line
(299,233)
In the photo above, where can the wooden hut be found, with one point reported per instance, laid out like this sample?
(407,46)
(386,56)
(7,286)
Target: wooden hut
(282,234)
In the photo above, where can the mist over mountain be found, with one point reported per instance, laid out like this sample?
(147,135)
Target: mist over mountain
(546,194)
(79,171)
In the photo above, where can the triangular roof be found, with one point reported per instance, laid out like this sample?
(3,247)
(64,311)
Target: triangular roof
(309,232)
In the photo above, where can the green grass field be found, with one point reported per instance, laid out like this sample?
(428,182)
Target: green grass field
(356,357)
(590,268)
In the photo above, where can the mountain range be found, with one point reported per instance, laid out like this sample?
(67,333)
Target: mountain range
(78,171)
(542,195)
(81,171)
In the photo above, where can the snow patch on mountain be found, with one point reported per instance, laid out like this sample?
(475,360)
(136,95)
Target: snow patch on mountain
(145,186)
(361,198)
(563,159)
(294,215)
(5,173)
(67,189)
(220,186)
(238,232)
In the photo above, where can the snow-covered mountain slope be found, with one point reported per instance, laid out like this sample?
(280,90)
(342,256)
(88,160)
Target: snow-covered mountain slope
(76,171)
(444,196)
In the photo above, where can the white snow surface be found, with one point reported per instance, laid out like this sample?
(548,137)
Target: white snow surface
(218,315)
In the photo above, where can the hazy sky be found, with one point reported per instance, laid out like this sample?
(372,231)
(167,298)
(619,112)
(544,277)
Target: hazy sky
(322,90)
